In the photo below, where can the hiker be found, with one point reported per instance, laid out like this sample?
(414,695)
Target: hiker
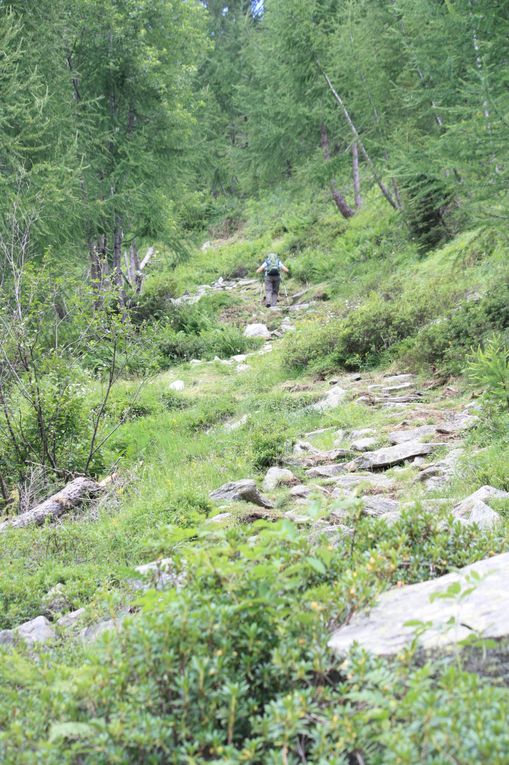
(272,267)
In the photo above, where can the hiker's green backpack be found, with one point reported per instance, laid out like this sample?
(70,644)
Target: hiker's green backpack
(272,265)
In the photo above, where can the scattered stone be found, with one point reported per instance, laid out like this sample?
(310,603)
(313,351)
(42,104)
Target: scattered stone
(403,378)
(333,398)
(67,621)
(396,388)
(458,423)
(220,518)
(240,491)
(239,358)
(326,471)
(362,433)
(276,476)
(38,630)
(324,458)
(413,434)
(257,330)
(376,506)
(318,432)
(349,482)
(177,385)
(91,633)
(391,455)
(195,362)
(236,424)
(437,475)
(160,573)
(242,368)
(476,509)
(304,447)
(363,444)
(483,610)
(301,490)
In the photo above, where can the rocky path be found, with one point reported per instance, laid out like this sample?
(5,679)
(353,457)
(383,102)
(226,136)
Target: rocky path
(408,452)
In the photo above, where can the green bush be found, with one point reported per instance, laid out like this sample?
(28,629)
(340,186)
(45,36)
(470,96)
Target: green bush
(155,300)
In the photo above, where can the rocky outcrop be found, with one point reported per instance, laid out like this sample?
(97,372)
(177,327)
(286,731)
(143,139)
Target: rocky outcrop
(240,491)
(333,399)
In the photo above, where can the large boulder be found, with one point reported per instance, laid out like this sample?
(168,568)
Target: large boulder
(276,476)
(240,491)
(473,602)
(476,508)
(257,330)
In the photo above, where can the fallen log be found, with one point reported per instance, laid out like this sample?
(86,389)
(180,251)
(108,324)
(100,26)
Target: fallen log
(62,502)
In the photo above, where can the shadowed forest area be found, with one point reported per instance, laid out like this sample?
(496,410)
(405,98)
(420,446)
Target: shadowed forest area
(231,533)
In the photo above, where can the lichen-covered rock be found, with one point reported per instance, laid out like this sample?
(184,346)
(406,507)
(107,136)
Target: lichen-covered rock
(38,630)
(391,455)
(412,434)
(333,399)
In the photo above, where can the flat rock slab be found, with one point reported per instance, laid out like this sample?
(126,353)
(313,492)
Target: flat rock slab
(482,610)
(240,491)
(412,434)
(324,458)
(391,455)
(38,630)
(363,444)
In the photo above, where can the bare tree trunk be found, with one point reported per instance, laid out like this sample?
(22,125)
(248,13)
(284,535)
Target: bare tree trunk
(356,175)
(70,497)
(341,203)
(135,273)
(385,191)
(117,261)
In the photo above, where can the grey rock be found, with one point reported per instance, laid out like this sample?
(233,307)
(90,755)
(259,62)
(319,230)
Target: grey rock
(324,458)
(391,455)
(458,423)
(412,434)
(363,444)
(177,385)
(333,399)
(160,572)
(376,506)
(38,630)
(396,379)
(239,358)
(257,330)
(67,621)
(347,483)
(437,475)
(362,433)
(484,611)
(240,491)
(325,471)
(476,508)
(242,368)
(398,387)
(220,518)
(91,633)
(301,490)
(304,447)
(275,477)
(318,432)
(7,637)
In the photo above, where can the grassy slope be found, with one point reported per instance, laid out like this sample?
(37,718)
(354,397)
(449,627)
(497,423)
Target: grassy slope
(173,458)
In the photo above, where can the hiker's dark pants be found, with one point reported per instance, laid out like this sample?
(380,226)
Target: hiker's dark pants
(271,290)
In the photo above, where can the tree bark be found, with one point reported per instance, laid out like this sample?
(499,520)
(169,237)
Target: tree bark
(73,495)
(385,191)
(356,175)
(339,200)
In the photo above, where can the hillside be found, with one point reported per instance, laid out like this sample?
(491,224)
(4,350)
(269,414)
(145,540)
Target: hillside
(254,382)
(227,658)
